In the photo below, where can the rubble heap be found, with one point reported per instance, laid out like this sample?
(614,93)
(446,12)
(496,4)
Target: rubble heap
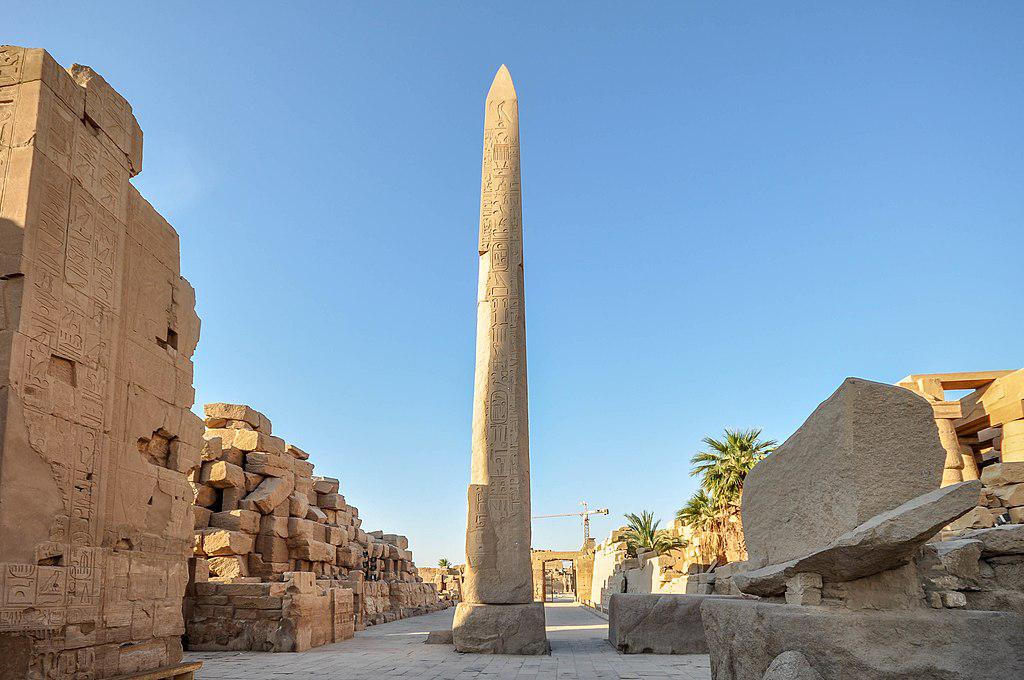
(843,526)
(97,436)
(281,560)
(447,581)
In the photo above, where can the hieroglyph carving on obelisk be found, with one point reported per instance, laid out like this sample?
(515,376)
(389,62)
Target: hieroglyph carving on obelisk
(498,535)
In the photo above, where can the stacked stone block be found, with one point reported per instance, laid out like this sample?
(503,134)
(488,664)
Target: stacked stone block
(97,330)
(262,519)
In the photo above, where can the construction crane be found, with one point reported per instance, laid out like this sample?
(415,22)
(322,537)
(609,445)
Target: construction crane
(585,515)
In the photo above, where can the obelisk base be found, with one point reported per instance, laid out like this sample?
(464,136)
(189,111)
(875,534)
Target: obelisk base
(500,628)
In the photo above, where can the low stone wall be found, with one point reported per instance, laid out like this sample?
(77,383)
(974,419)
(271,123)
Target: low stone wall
(293,615)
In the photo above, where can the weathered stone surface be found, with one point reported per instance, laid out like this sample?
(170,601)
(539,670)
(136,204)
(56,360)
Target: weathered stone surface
(883,542)
(791,666)
(865,450)
(500,629)
(498,534)
(1002,540)
(1002,474)
(236,520)
(647,623)
(97,332)
(440,637)
(271,492)
(744,637)
(222,542)
(241,412)
(498,570)
(220,475)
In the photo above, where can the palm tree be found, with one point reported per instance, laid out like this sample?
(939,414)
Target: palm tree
(642,534)
(444,563)
(700,512)
(725,463)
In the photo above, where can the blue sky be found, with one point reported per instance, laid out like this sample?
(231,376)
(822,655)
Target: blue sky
(728,207)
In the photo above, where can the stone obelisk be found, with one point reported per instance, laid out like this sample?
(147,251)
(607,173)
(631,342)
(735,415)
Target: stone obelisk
(497,614)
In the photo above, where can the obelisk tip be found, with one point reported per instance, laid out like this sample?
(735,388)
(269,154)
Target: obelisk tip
(502,85)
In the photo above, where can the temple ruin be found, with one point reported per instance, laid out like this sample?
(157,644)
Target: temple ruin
(884,538)
(98,333)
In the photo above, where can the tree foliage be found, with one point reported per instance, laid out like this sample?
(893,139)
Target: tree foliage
(724,464)
(643,535)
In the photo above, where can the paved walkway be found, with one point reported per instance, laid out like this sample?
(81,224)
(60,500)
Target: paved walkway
(579,649)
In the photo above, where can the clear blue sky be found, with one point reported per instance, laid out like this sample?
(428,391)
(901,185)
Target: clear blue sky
(729,207)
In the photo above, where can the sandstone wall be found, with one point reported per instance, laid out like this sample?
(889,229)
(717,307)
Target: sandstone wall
(97,330)
(263,524)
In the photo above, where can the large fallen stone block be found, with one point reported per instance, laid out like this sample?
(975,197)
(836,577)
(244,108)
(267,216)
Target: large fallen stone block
(650,623)
(744,638)
(500,628)
(865,450)
(884,542)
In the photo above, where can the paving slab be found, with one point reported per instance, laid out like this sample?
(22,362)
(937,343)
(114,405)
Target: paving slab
(579,650)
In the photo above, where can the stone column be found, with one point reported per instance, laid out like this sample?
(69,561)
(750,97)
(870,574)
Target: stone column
(498,614)
(1013,442)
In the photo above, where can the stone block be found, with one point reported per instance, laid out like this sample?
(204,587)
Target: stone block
(296,452)
(325,485)
(1010,495)
(231,498)
(303,469)
(241,412)
(220,475)
(271,492)
(250,440)
(804,589)
(881,543)
(211,448)
(236,520)
(330,501)
(222,542)
(865,450)
(205,496)
(298,505)
(440,637)
(274,526)
(229,566)
(840,644)
(200,517)
(336,535)
(1002,540)
(500,629)
(1002,474)
(272,548)
(650,623)
(312,550)
(268,464)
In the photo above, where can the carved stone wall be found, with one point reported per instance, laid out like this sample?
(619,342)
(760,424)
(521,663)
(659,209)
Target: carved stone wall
(97,330)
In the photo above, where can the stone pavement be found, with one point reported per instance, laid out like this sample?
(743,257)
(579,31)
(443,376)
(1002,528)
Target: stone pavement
(579,649)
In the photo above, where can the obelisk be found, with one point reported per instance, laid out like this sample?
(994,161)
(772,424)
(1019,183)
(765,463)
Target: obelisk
(497,614)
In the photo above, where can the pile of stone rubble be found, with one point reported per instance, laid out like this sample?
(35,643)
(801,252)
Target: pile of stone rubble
(853,568)
(281,560)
